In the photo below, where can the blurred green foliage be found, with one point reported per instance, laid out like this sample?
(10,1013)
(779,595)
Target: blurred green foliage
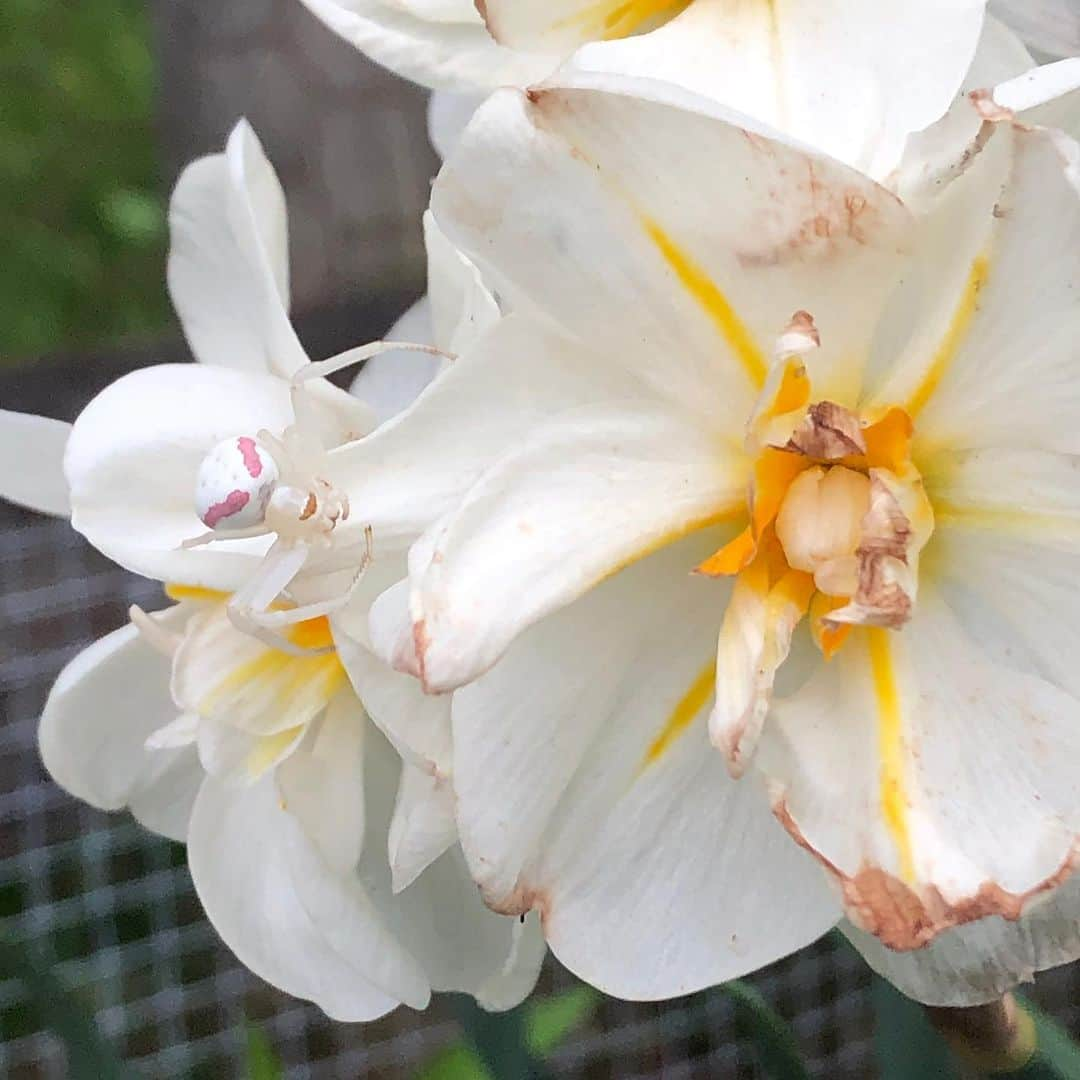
(82,215)
(262,1060)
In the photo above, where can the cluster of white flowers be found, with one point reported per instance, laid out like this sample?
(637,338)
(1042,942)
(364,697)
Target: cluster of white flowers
(703,575)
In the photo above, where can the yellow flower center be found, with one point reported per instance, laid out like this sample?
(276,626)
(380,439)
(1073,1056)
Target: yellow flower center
(835,501)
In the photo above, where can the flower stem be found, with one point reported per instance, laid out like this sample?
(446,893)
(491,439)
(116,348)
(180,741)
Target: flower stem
(992,1038)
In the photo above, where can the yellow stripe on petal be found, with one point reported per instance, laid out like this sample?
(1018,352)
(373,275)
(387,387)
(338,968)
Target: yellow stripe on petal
(275,686)
(194,592)
(954,336)
(612,19)
(827,638)
(682,716)
(705,291)
(894,806)
(719,517)
(269,748)
(1033,524)
(629,17)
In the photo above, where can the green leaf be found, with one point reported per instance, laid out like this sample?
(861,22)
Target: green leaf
(772,1038)
(262,1062)
(549,1020)
(134,216)
(457,1062)
(89,1056)
(508,1045)
(906,1045)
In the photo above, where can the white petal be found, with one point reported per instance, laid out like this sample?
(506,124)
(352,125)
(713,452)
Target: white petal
(1006,550)
(390,627)
(980,962)
(32,450)
(580,500)
(755,639)
(445,53)
(462,306)
(598,202)
(238,758)
(1051,26)
(390,382)
(942,151)
(327,771)
(826,73)
(462,945)
(228,260)
(163,797)
(287,914)
(182,731)
(134,453)
(991,358)
(454,314)
(94,727)
(881,765)
(415,467)
(1048,96)
(423,825)
(222,673)
(587,789)
(417,724)
(448,116)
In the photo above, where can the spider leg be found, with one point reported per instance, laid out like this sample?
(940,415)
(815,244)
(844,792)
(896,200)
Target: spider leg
(247,607)
(343,558)
(158,637)
(250,622)
(274,447)
(224,534)
(289,616)
(322,368)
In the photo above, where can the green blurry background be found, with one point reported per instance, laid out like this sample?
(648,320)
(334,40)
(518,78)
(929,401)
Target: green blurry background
(82,211)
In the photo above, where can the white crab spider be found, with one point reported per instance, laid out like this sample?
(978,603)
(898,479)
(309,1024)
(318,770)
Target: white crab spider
(263,485)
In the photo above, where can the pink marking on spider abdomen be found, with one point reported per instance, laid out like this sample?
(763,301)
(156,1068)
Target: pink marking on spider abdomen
(250,453)
(233,503)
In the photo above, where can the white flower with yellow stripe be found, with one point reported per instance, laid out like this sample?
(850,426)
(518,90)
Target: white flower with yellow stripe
(733,355)
(327,862)
(852,78)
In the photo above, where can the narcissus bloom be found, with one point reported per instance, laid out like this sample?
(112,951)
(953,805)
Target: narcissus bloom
(731,355)
(327,862)
(851,78)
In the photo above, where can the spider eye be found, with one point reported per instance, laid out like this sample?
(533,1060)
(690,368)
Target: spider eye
(235,482)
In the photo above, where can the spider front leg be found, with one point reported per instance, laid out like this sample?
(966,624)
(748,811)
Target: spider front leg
(249,609)
(224,534)
(321,368)
(245,607)
(270,620)
(302,405)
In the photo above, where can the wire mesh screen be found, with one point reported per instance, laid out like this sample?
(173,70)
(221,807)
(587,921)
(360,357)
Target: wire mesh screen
(115,905)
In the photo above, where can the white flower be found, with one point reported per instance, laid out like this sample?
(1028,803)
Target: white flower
(438,43)
(326,863)
(851,78)
(651,253)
